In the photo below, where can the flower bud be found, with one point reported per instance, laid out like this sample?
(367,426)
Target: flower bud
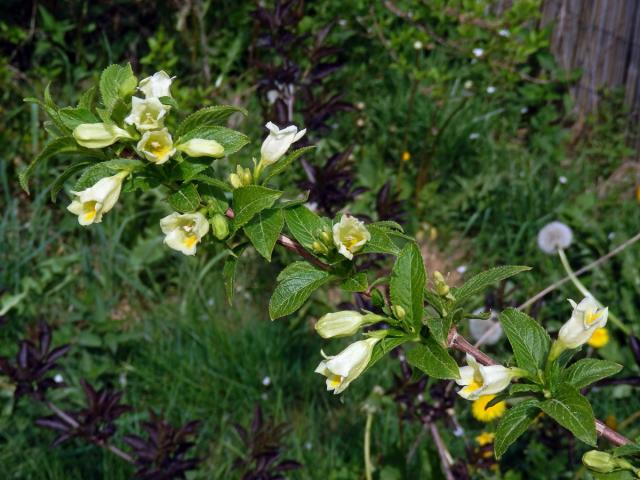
(220,226)
(199,147)
(319,247)
(398,312)
(441,286)
(235,180)
(598,461)
(325,237)
(247,178)
(98,135)
(340,324)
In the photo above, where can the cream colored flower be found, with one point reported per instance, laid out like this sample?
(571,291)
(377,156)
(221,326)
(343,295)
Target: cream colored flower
(586,318)
(147,114)
(278,142)
(199,147)
(156,86)
(350,235)
(184,231)
(479,380)
(90,204)
(343,324)
(98,135)
(344,368)
(156,146)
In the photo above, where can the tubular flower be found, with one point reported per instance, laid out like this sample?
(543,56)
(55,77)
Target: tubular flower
(344,368)
(343,324)
(147,114)
(157,85)
(586,318)
(90,204)
(98,135)
(599,338)
(350,235)
(481,413)
(156,146)
(184,231)
(278,142)
(479,380)
(199,147)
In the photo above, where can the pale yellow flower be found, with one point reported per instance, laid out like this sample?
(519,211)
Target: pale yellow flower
(183,232)
(156,146)
(93,202)
(350,235)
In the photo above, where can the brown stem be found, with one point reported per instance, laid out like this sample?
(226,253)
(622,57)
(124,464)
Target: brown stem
(460,343)
(443,453)
(292,246)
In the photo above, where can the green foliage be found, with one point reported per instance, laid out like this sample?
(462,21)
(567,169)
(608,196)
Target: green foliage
(296,283)
(264,229)
(529,341)
(433,359)
(573,411)
(407,282)
(514,423)
(249,201)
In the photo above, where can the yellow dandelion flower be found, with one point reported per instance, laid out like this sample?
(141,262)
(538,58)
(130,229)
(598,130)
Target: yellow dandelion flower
(406,156)
(485,438)
(599,338)
(638,193)
(487,414)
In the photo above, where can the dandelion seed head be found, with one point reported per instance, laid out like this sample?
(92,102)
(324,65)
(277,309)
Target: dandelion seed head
(553,236)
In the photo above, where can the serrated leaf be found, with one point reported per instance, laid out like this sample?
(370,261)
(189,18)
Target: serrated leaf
(187,170)
(231,140)
(54,147)
(87,99)
(214,182)
(573,412)
(481,281)
(282,164)
(356,283)
(380,242)
(91,175)
(439,327)
(116,82)
(72,117)
(264,229)
(434,360)
(406,284)
(296,283)
(385,346)
(303,224)
(58,184)
(517,388)
(129,164)
(248,201)
(626,450)
(529,341)
(208,117)
(513,424)
(588,370)
(49,106)
(186,199)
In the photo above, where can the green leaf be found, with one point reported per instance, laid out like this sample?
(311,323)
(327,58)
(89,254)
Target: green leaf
(248,201)
(296,283)
(231,140)
(626,450)
(356,283)
(439,328)
(229,275)
(514,423)
(573,412)
(434,360)
(214,182)
(481,281)
(436,301)
(72,117)
(186,199)
(87,99)
(529,341)
(54,147)
(303,224)
(380,242)
(407,283)
(187,170)
(91,175)
(49,106)
(517,388)
(282,164)
(58,184)
(208,117)
(384,346)
(129,164)
(588,370)
(116,82)
(264,229)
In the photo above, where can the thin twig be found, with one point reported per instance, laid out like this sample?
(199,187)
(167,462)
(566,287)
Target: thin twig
(443,453)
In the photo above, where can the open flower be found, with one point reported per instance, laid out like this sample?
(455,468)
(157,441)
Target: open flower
(278,142)
(90,204)
(146,114)
(184,231)
(350,235)
(157,85)
(587,317)
(343,324)
(480,411)
(554,236)
(344,368)
(199,147)
(156,146)
(479,380)
(98,135)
